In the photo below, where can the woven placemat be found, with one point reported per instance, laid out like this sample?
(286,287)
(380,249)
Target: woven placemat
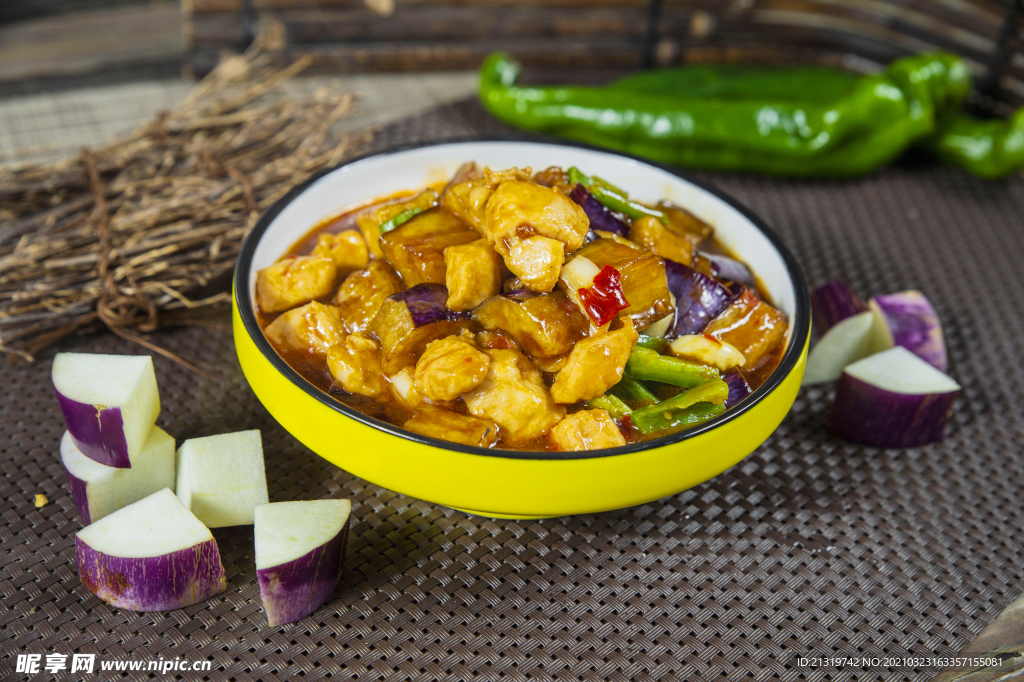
(810,547)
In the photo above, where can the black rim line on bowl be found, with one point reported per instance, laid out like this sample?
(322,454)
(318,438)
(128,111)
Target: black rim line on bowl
(797,341)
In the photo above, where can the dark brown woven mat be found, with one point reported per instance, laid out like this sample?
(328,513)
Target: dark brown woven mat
(809,547)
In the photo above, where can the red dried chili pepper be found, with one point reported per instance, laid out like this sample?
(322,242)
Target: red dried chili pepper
(605,298)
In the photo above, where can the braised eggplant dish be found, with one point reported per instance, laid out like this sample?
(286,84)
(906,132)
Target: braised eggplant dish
(520,310)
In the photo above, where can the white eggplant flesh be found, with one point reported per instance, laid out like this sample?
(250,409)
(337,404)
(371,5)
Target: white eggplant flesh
(222,478)
(99,490)
(844,343)
(908,319)
(300,553)
(109,402)
(153,555)
(893,399)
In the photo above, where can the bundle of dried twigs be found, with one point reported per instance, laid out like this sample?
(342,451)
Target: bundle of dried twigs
(135,234)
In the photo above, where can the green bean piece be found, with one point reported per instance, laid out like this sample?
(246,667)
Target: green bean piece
(653,342)
(578,176)
(616,202)
(611,404)
(397,220)
(632,392)
(664,423)
(649,365)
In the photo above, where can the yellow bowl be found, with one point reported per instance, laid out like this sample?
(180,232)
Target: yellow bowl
(509,483)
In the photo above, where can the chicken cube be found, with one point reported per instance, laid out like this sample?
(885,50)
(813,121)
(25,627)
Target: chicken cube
(586,430)
(448,368)
(650,233)
(643,279)
(707,350)
(467,195)
(513,395)
(347,248)
(539,324)
(416,248)
(516,206)
(535,260)
(311,329)
(532,227)
(369,220)
(473,273)
(355,365)
(437,422)
(595,364)
(294,281)
(750,325)
(361,295)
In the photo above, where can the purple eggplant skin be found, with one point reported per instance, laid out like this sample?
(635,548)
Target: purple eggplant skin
(98,433)
(833,302)
(738,388)
(521,294)
(426,304)
(729,269)
(293,590)
(600,217)
(80,494)
(699,298)
(162,583)
(864,413)
(913,323)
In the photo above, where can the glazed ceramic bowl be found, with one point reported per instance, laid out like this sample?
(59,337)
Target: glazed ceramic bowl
(509,483)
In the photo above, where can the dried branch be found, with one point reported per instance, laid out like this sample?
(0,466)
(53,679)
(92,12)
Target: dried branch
(132,234)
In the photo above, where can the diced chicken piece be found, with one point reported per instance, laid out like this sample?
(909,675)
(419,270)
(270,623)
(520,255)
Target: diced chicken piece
(751,325)
(540,324)
(437,422)
(361,295)
(643,279)
(355,365)
(295,281)
(518,206)
(514,396)
(347,248)
(535,260)
(311,329)
(532,227)
(684,223)
(707,350)
(595,364)
(586,430)
(653,235)
(448,368)
(369,221)
(416,248)
(467,198)
(474,272)
(551,365)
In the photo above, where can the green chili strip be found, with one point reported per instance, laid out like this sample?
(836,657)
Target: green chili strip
(632,392)
(611,404)
(649,365)
(678,420)
(653,342)
(397,220)
(614,198)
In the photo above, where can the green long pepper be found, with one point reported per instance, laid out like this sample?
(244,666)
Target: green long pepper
(803,121)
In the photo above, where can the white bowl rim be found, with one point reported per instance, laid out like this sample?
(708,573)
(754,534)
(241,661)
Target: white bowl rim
(799,324)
